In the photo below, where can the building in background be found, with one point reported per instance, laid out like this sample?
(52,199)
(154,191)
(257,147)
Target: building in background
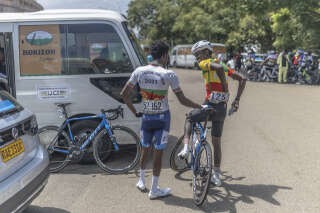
(7,6)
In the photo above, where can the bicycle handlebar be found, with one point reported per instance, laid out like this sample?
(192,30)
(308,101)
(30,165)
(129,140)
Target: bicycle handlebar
(115,113)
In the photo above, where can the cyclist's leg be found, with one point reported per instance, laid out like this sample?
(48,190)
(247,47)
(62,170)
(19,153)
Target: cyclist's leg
(186,137)
(216,133)
(160,143)
(146,140)
(194,116)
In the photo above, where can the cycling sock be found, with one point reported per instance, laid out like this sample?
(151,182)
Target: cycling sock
(142,172)
(154,185)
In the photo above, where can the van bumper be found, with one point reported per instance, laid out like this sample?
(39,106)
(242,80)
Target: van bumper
(22,187)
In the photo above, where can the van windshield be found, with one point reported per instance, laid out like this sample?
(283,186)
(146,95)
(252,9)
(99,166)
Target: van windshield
(135,44)
(8,104)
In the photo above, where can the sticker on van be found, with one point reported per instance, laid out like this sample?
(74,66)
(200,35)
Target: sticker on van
(39,38)
(53,92)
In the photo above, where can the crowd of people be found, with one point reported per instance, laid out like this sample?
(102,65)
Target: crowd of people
(300,67)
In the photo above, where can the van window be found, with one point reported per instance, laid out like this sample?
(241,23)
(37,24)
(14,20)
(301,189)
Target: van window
(134,41)
(96,48)
(174,52)
(73,49)
(188,51)
(181,51)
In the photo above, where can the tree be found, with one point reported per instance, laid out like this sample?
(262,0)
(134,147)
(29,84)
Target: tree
(267,23)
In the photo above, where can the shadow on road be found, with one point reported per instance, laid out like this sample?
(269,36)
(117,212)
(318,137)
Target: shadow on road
(228,195)
(93,169)
(38,209)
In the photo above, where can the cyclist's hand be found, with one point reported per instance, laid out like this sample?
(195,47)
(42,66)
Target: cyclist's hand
(235,105)
(139,114)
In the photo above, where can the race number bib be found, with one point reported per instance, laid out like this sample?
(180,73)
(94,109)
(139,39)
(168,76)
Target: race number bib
(153,106)
(218,97)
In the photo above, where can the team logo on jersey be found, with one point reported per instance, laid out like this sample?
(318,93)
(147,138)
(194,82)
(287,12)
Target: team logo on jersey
(150,94)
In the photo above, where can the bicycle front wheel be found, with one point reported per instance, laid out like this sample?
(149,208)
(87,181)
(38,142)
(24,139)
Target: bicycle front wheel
(202,174)
(117,161)
(52,139)
(176,163)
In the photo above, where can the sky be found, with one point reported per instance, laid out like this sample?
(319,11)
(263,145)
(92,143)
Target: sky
(117,5)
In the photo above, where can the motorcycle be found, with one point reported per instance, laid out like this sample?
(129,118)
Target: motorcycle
(253,72)
(269,73)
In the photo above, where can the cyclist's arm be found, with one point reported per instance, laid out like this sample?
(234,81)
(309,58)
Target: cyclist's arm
(125,96)
(242,83)
(221,74)
(186,101)
(175,86)
(127,89)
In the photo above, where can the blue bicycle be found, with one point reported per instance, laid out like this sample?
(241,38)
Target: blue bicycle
(199,159)
(116,149)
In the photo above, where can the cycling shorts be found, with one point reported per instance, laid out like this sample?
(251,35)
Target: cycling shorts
(155,126)
(217,118)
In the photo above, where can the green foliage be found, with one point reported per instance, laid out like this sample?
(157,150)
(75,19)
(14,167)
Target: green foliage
(270,24)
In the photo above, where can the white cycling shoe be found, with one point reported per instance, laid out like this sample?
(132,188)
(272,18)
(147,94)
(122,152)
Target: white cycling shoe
(141,186)
(183,154)
(215,179)
(159,193)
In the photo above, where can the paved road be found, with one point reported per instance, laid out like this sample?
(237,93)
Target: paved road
(271,161)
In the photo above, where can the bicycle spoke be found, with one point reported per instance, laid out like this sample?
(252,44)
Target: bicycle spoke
(121,160)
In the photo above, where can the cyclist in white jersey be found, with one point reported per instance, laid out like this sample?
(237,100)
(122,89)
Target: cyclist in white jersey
(154,81)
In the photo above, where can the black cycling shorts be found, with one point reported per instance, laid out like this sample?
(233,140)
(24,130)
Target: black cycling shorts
(217,118)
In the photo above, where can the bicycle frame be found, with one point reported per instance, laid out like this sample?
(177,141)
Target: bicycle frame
(203,135)
(103,124)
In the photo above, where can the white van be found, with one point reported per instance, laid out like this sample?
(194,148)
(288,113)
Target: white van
(79,56)
(83,57)
(181,56)
(219,51)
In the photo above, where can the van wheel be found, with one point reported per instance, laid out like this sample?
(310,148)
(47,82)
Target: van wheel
(82,130)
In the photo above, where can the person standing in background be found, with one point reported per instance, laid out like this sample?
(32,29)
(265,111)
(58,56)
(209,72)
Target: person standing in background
(283,67)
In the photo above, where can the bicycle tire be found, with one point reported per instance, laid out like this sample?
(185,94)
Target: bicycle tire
(62,138)
(203,173)
(176,163)
(111,164)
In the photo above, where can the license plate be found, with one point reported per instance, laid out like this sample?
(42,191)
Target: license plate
(12,150)
(218,97)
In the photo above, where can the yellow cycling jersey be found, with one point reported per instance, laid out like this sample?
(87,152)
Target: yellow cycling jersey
(211,77)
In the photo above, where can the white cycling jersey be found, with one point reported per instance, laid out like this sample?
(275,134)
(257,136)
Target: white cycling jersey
(154,82)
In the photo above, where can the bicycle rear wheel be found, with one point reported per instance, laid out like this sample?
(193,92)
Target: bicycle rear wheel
(50,137)
(123,160)
(202,174)
(176,163)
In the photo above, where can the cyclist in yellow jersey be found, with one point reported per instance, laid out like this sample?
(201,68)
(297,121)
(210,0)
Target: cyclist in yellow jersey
(215,74)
